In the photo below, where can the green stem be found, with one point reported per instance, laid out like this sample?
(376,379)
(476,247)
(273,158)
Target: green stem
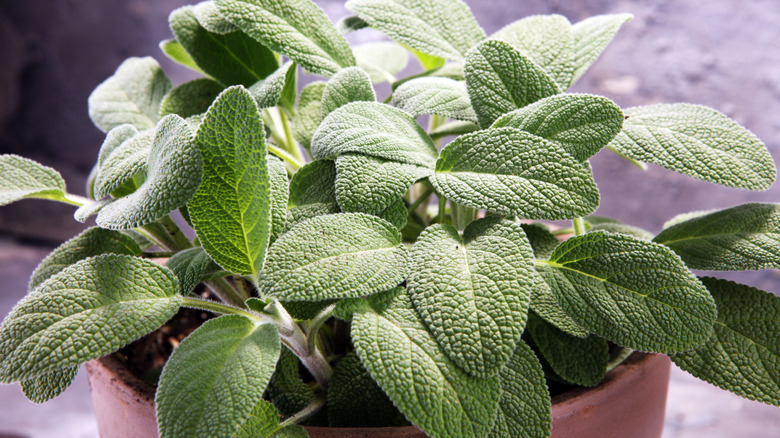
(175,232)
(579,226)
(284,155)
(308,411)
(159,235)
(316,323)
(442,208)
(636,163)
(222,309)
(433,123)
(420,199)
(78,201)
(291,146)
(225,291)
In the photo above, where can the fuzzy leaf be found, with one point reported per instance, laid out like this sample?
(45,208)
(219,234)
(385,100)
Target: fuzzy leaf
(374,129)
(382,60)
(172,176)
(312,191)
(745,237)
(132,95)
(696,141)
(280,193)
(21,178)
(743,354)
(543,242)
(442,28)
(192,266)
(85,311)
(636,293)
(263,422)
(623,229)
(309,115)
(591,37)
(335,256)
(232,210)
(298,29)
(47,386)
(286,390)
(544,304)
(581,123)
(220,388)
(406,362)
(268,92)
(176,52)
(396,214)
(351,84)
(499,79)
(191,98)
(311,93)
(441,96)
(473,292)
(512,172)
(209,17)
(119,163)
(350,23)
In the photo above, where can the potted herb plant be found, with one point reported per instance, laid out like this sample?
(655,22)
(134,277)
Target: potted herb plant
(339,289)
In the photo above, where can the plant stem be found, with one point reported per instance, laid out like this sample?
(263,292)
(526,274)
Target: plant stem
(636,163)
(225,291)
(311,408)
(159,235)
(222,309)
(70,198)
(442,208)
(175,232)
(420,199)
(316,323)
(579,226)
(284,155)
(291,146)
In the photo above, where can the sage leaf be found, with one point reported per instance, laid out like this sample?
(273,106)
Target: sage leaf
(473,292)
(350,23)
(172,176)
(512,172)
(220,388)
(624,229)
(441,96)
(374,129)
(263,422)
(209,17)
(581,123)
(544,304)
(280,193)
(351,84)
(405,361)
(232,208)
(312,192)
(335,256)
(591,37)
(176,52)
(119,164)
(85,311)
(232,58)
(268,92)
(542,240)
(743,354)
(311,93)
(309,115)
(87,210)
(396,214)
(696,141)
(745,237)
(132,95)
(422,25)
(636,293)
(382,60)
(524,410)
(499,79)
(191,98)
(192,266)
(298,29)
(21,178)
(286,390)
(47,386)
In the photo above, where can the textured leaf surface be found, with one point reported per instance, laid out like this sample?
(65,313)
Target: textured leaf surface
(591,37)
(172,176)
(213,394)
(636,293)
(132,95)
(499,79)
(231,210)
(191,266)
(396,214)
(232,58)
(524,408)
(351,84)
(191,98)
(406,362)
(382,60)
(21,178)
(512,172)
(369,185)
(47,386)
(623,229)
(312,191)
(745,237)
(699,142)
(263,422)
(336,256)
(544,304)
(280,194)
(543,241)
(268,92)
(743,354)
(87,310)
(309,115)
(174,50)
(374,129)
(298,29)
(442,28)
(581,123)
(119,164)
(209,17)
(473,292)
(440,96)
(286,390)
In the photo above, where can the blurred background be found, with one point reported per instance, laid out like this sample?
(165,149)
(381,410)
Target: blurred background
(720,53)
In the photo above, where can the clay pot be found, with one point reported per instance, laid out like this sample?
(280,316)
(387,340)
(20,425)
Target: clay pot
(629,402)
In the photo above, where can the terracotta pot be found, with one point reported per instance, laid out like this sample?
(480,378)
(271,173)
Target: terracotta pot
(630,402)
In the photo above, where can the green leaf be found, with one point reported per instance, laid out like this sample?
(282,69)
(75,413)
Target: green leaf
(441,96)
(87,310)
(351,84)
(87,210)
(286,390)
(91,242)
(176,52)
(428,62)
(268,92)
(374,129)
(172,176)
(311,93)
(743,354)
(396,214)
(581,123)
(473,292)
(192,266)
(581,361)
(382,60)
(369,185)
(298,29)
(591,37)
(335,256)
(132,95)
(443,28)
(544,304)
(406,362)
(512,172)
(543,242)
(696,141)
(309,115)
(499,79)
(263,422)
(312,191)
(547,40)
(213,394)
(209,17)
(350,23)
(123,156)
(524,410)
(21,178)
(191,98)
(636,293)
(280,193)
(623,229)
(355,400)
(47,386)
(232,209)
(745,237)
(233,58)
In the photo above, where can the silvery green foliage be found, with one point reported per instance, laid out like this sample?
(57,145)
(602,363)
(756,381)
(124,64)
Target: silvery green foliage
(401,268)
